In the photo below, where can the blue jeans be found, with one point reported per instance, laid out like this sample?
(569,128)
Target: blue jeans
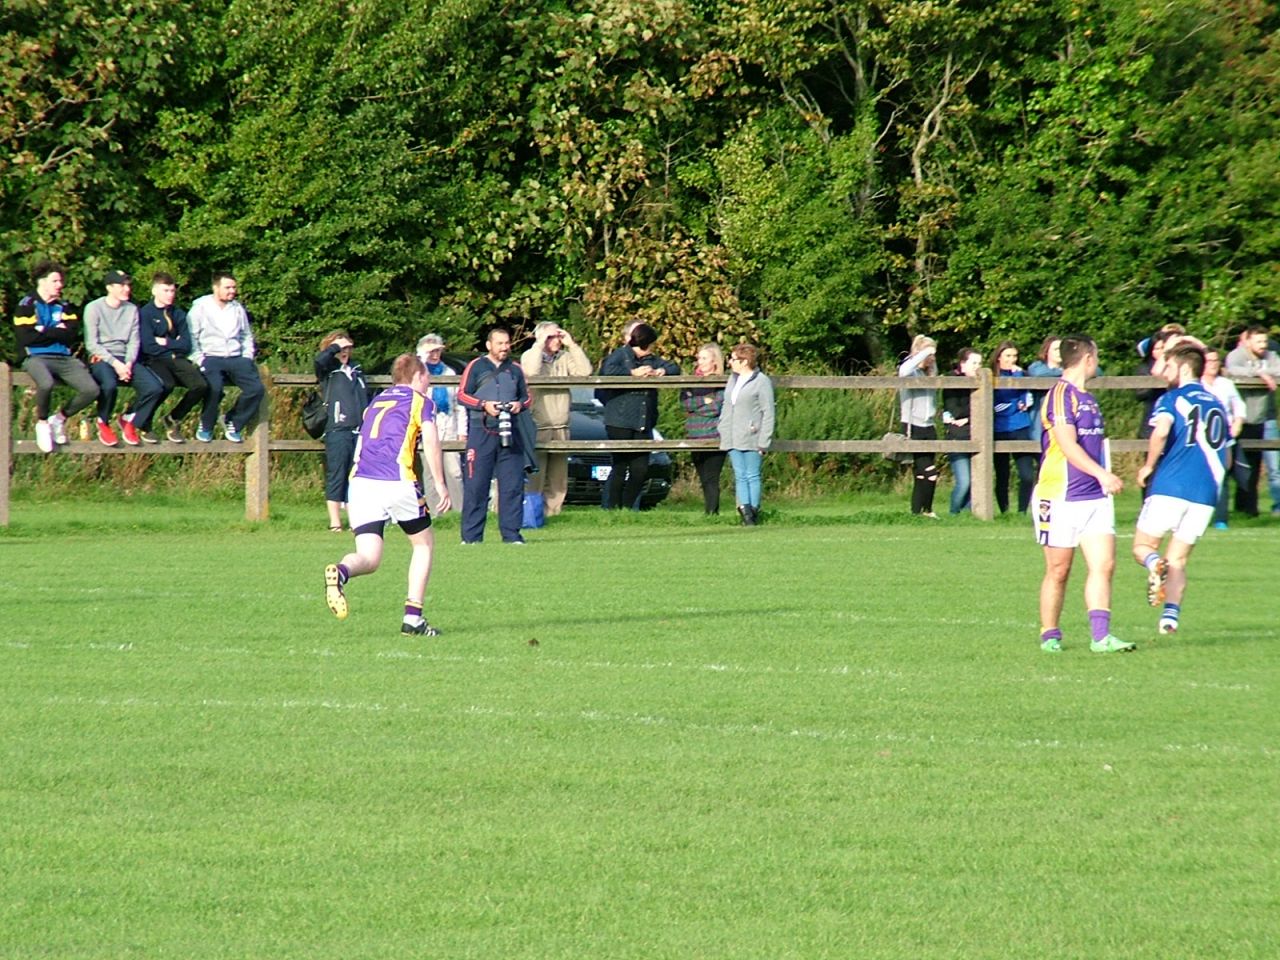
(240,372)
(1271,460)
(147,385)
(961,469)
(746,476)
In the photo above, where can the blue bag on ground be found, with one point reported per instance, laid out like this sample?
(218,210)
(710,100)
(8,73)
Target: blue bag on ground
(534,511)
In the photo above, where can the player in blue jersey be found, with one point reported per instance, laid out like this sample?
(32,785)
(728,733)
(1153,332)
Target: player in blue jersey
(384,487)
(1073,500)
(1183,474)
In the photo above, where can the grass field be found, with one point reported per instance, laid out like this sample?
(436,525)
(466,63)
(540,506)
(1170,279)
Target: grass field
(641,737)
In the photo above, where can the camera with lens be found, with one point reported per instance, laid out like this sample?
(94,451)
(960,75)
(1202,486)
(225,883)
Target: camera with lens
(505,410)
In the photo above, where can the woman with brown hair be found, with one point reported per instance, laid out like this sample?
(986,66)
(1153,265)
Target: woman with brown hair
(1012,422)
(346,395)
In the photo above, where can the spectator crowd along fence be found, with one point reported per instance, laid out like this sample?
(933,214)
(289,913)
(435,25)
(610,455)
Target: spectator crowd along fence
(260,444)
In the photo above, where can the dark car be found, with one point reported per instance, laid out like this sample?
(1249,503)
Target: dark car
(589,469)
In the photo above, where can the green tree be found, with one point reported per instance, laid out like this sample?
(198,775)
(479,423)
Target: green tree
(79,80)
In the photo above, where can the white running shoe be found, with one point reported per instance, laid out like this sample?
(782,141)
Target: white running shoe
(44,436)
(58,424)
(1167,626)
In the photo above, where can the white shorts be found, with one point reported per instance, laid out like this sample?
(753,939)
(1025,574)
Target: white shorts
(1064,523)
(377,501)
(1188,521)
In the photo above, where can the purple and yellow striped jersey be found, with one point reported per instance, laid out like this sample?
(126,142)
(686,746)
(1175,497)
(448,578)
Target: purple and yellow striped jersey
(1059,480)
(389,434)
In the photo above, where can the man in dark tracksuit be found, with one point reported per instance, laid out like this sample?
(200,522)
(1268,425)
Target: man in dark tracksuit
(166,342)
(486,382)
(48,331)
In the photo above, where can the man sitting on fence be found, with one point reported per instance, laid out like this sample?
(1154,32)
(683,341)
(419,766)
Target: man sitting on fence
(166,341)
(48,330)
(111,339)
(224,348)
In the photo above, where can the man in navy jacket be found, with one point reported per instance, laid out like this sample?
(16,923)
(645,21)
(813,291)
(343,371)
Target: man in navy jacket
(491,386)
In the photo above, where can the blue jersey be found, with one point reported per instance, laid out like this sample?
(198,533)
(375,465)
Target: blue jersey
(1194,461)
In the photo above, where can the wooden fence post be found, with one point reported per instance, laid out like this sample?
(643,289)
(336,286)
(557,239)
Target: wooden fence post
(257,466)
(6,439)
(981,420)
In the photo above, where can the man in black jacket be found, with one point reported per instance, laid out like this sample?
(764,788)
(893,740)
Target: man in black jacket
(495,392)
(166,341)
(48,331)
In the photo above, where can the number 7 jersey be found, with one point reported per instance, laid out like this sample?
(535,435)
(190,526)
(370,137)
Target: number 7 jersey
(390,432)
(1194,461)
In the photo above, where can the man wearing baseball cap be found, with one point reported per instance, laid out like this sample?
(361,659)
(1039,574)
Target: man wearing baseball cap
(112,339)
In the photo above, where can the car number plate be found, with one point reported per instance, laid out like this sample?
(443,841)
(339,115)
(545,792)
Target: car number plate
(601,473)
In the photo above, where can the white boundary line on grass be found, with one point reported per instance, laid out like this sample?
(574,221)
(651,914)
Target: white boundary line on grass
(840,735)
(481,659)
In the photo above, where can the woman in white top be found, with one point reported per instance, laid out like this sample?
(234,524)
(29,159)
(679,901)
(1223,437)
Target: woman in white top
(746,427)
(919,407)
(1229,396)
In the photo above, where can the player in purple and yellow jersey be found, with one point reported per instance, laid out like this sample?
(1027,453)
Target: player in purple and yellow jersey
(1073,505)
(384,487)
(1183,474)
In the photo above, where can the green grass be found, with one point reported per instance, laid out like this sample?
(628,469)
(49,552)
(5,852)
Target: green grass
(832,736)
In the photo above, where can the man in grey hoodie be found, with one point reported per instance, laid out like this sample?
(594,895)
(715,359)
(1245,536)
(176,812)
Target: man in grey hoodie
(111,339)
(223,348)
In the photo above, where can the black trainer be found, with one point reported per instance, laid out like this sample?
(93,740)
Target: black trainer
(423,629)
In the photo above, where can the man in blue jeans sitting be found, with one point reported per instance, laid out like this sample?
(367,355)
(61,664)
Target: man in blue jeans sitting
(223,347)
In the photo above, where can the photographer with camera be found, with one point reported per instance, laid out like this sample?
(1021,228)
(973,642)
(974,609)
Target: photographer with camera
(496,395)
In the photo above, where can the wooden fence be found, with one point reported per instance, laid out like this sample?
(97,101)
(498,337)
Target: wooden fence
(259,444)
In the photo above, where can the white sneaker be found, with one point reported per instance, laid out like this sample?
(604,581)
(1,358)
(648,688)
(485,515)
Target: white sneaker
(1167,626)
(44,436)
(58,424)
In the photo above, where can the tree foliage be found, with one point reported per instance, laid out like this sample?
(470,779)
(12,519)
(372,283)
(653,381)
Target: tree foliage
(824,177)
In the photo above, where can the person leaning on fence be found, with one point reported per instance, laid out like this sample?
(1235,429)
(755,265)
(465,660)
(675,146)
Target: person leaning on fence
(47,329)
(1011,421)
(1255,358)
(451,419)
(630,414)
(1048,363)
(702,406)
(553,354)
(166,342)
(918,408)
(223,346)
(955,419)
(1150,366)
(112,338)
(746,427)
(346,395)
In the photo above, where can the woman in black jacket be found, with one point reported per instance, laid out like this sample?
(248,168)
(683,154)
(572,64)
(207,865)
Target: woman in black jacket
(632,414)
(955,417)
(346,395)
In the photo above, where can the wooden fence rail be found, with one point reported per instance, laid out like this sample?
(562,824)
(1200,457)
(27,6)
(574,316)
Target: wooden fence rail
(259,444)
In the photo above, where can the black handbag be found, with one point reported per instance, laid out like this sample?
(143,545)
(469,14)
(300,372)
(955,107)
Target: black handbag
(315,415)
